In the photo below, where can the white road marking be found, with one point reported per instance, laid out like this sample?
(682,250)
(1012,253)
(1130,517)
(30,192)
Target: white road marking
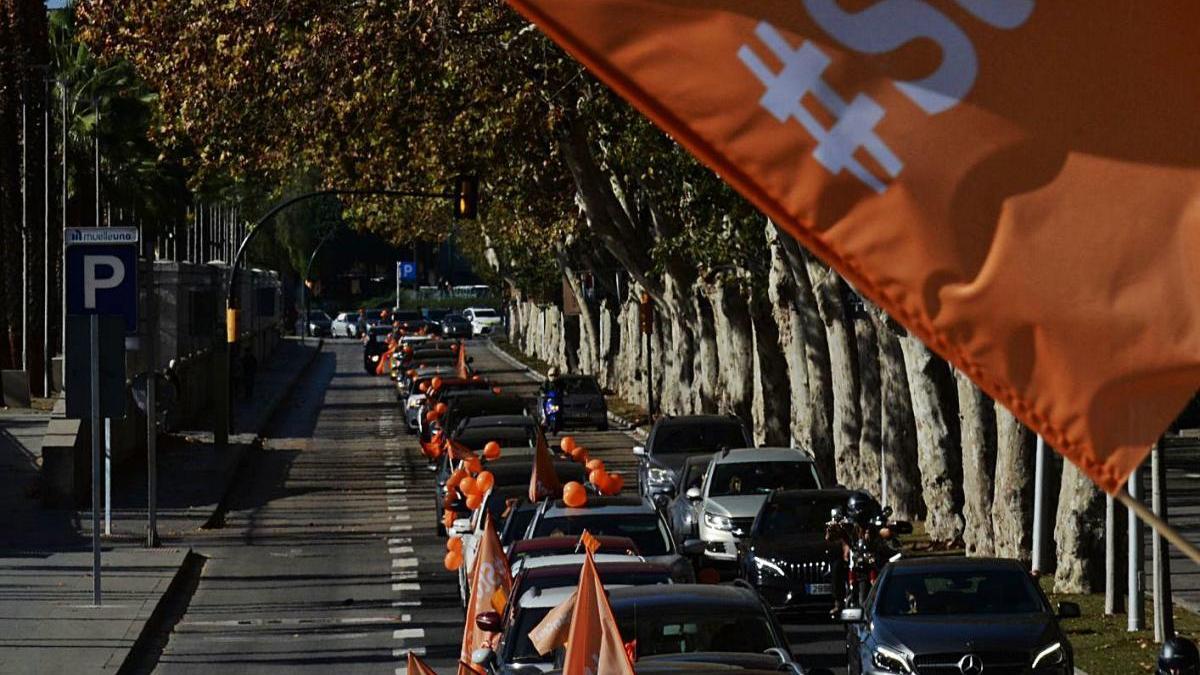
(407,587)
(402,517)
(397,491)
(400,550)
(405,562)
(401,528)
(403,653)
(397,541)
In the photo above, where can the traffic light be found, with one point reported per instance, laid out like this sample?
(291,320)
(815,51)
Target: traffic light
(466,197)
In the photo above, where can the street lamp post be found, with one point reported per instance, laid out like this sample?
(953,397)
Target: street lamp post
(464,197)
(304,283)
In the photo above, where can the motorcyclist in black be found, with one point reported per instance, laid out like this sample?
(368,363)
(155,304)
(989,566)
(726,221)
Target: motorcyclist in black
(1179,656)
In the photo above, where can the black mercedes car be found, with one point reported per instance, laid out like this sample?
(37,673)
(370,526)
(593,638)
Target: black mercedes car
(949,616)
(375,343)
(785,555)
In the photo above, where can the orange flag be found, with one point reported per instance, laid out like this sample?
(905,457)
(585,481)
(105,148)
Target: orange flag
(464,371)
(543,481)
(489,575)
(1016,181)
(594,644)
(551,631)
(417,667)
(590,542)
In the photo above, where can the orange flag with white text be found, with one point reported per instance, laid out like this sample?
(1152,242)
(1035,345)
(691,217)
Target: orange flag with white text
(1017,182)
(543,480)
(418,667)
(594,643)
(489,575)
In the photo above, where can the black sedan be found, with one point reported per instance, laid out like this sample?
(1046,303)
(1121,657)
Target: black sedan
(455,325)
(955,616)
(785,555)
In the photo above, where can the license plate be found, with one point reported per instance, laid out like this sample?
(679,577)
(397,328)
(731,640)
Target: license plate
(818,589)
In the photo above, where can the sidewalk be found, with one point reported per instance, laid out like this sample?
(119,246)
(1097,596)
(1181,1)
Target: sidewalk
(46,621)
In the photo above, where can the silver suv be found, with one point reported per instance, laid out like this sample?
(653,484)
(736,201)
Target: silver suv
(734,488)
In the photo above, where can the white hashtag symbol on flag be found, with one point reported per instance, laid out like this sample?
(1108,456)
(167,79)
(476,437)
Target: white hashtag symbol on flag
(855,122)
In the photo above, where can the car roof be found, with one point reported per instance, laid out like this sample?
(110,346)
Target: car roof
(683,420)
(700,596)
(938,564)
(499,421)
(617,506)
(575,559)
(558,543)
(630,565)
(750,455)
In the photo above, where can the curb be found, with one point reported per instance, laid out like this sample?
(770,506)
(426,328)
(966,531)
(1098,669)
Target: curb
(217,518)
(637,432)
(171,605)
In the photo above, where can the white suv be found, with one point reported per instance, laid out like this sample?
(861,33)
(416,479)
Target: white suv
(484,320)
(735,487)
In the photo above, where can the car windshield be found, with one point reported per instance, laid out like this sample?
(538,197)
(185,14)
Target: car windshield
(781,519)
(578,385)
(702,629)
(523,651)
(484,313)
(759,478)
(454,318)
(645,529)
(516,523)
(692,476)
(958,592)
(698,438)
(318,316)
(507,437)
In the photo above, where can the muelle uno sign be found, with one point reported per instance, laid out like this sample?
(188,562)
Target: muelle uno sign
(101,264)
(102,235)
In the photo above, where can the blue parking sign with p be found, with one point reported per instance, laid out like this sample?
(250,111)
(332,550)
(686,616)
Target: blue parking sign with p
(101,266)
(407,271)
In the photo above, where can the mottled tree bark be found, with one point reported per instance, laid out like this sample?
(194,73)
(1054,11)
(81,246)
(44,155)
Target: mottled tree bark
(1012,505)
(735,350)
(772,393)
(785,308)
(937,448)
(870,404)
(828,290)
(1079,534)
(899,433)
(977,422)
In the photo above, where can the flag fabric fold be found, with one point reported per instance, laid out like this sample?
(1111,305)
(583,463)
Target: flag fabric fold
(1002,178)
(543,480)
(490,575)
(551,631)
(418,667)
(594,643)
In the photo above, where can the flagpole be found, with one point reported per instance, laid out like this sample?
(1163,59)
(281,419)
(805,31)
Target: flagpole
(1160,526)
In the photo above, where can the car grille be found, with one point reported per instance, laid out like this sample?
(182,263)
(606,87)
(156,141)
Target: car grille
(743,524)
(994,663)
(806,572)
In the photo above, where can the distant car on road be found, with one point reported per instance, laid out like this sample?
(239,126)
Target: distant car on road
(345,324)
(958,615)
(735,487)
(375,343)
(456,325)
(785,555)
(318,323)
(572,401)
(673,439)
(484,320)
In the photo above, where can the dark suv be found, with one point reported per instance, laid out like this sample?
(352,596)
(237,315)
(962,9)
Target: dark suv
(572,401)
(674,439)
(785,555)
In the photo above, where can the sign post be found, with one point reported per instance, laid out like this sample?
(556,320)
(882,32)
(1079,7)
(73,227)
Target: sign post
(101,304)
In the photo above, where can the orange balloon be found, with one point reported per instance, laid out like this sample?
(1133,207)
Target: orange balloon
(436,382)
(412,372)
(475,501)
(580,454)
(617,482)
(567,444)
(473,464)
(455,478)
(430,416)
(468,486)
(448,519)
(449,499)
(453,560)
(441,408)
(597,477)
(574,495)
(484,481)
(454,544)
(491,450)
(423,387)
(593,464)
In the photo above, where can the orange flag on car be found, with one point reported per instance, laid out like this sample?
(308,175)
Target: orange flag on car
(551,631)
(463,368)
(1015,181)
(589,542)
(594,644)
(417,667)
(489,574)
(543,480)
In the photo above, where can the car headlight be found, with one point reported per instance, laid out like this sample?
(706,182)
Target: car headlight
(718,522)
(1052,655)
(375,359)
(661,476)
(890,660)
(552,407)
(769,567)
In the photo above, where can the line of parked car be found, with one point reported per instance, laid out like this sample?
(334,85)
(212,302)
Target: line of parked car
(750,522)
(470,322)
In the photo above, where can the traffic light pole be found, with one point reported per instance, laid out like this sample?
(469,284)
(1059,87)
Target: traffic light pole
(465,200)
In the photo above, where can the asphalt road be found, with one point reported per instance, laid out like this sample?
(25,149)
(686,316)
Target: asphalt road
(329,561)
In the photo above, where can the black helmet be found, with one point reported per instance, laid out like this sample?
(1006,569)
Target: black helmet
(862,508)
(1178,657)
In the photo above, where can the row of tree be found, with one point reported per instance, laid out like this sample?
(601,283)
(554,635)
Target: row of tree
(580,187)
